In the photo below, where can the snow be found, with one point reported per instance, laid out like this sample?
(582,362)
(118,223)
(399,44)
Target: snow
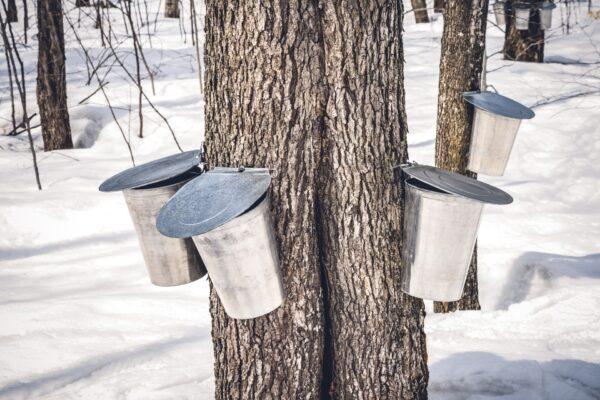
(80,320)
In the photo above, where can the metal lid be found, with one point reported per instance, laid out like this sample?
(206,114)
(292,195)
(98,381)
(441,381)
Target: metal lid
(211,200)
(152,172)
(546,5)
(498,104)
(457,184)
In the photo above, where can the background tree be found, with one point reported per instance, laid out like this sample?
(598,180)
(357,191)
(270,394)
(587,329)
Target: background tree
(171,8)
(461,65)
(420,10)
(51,78)
(523,45)
(438,6)
(321,103)
(11,11)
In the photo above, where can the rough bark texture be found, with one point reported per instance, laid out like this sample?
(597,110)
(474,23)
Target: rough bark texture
(172,9)
(420,10)
(51,78)
(523,45)
(315,92)
(11,11)
(438,6)
(461,64)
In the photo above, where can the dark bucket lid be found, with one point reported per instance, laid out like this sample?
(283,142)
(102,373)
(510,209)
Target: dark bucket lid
(457,184)
(546,5)
(498,104)
(153,172)
(211,200)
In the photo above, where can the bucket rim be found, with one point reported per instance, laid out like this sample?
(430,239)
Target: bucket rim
(153,172)
(211,200)
(546,5)
(497,104)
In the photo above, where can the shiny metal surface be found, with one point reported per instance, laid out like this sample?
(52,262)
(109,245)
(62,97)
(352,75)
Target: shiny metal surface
(440,230)
(498,104)
(453,183)
(211,200)
(546,9)
(169,261)
(492,139)
(521,13)
(152,172)
(499,11)
(243,264)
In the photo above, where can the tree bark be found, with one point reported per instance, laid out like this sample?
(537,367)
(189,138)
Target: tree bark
(523,45)
(11,11)
(315,91)
(438,6)
(171,8)
(461,65)
(420,10)
(51,78)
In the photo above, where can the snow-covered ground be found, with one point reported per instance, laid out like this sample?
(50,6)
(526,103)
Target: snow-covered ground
(80,320)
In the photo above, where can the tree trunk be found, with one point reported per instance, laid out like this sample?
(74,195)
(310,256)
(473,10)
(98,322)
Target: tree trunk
(82,3)
(11,11)
(461,65)
(172,9)
(321,103)
(51,79)
(420,10)
(523,45)
(438,6)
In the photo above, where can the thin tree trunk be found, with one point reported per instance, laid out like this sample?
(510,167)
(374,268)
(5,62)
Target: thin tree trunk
(172,9)
(523,45)
(461,66)
(51,79)
(438,6)
(322,103)
(420,10)
(11,11)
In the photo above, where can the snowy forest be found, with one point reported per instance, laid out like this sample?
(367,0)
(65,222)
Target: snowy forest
(300,199)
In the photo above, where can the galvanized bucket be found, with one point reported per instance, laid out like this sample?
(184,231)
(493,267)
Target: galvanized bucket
(496,122)
(499,12)
(546,9)
(521,12)
(146,189)
(441,220)
(234,235)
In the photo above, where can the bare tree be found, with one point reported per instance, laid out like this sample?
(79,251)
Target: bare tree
(171,8)
(420,10)
(51,78)
(322,103)
(11,11)
(523,45)
(461,66)
(83,3)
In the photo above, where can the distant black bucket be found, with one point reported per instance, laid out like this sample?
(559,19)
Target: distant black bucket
(146,189)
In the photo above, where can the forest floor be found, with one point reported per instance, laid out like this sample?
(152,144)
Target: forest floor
(80,320)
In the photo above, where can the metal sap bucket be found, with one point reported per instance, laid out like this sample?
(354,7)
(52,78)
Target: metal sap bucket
(521,12)
(496,121)
(226,212)
(146,189)
(499,12)
(441,220)
(545,10)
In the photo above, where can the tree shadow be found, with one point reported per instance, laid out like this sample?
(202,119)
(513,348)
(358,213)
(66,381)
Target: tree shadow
(7,254)
(483,375)
(547,267)
(46,383)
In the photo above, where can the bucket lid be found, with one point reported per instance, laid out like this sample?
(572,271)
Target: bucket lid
(498,104)
(522,6)
(546,5)
(211,200)
(153,172)
(457,184)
